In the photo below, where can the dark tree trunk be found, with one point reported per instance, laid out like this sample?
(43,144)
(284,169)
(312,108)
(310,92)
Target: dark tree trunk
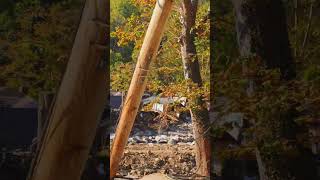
(200,114)
(262,30)
(45,101)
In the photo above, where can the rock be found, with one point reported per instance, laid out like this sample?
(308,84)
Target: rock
(149,171)
(172,141)
(153,140)
(133,172)
(149,133)
(191,143)
(138,139)
(134,166)
(159,162)
(140,173)
(184,164)
(132,140)
(124,172)
(162,139)
(187,168)
(180,159)
(166,170)
(138,133)
(148,139)
(156,176)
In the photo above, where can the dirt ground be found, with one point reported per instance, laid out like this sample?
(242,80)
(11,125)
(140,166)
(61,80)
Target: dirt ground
(168,153)
(176,161)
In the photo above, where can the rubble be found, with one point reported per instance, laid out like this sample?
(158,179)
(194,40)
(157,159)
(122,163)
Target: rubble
(174,160)
(144,132)
(169,151)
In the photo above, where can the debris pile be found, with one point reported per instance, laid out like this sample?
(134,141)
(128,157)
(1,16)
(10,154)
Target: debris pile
(153,148)
(143,159)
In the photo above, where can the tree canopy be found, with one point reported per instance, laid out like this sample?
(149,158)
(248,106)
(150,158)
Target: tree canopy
(279,112)
(166,73)
(36,39)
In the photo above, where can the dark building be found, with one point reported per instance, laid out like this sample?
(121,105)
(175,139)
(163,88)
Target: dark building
(18,118)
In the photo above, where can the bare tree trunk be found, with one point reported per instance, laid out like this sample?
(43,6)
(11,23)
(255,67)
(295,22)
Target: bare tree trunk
(262,30)
(261,167)
(200,114)
(45,100)
(138,83)
(306,35)
(79,102)
(244,43)
(295,27)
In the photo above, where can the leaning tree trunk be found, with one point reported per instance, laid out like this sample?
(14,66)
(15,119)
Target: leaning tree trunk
(262,30)
(199,111)
(76,111)
(138,83)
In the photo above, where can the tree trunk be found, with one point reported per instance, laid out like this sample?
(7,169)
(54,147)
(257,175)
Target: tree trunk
(138,83)
(45,100)
(261,167)
(79,102)
(262,30)
(200,114)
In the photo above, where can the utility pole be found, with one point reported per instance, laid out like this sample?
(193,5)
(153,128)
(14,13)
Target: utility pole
(73,120)
(138,83)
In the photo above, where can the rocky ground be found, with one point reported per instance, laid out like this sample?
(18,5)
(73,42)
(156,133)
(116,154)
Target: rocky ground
(165,149)
(143,159)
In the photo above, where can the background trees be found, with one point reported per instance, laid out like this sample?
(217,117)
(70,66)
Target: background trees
(182,64)
(166,74)
(34,52)
(36,37)
(280,108)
